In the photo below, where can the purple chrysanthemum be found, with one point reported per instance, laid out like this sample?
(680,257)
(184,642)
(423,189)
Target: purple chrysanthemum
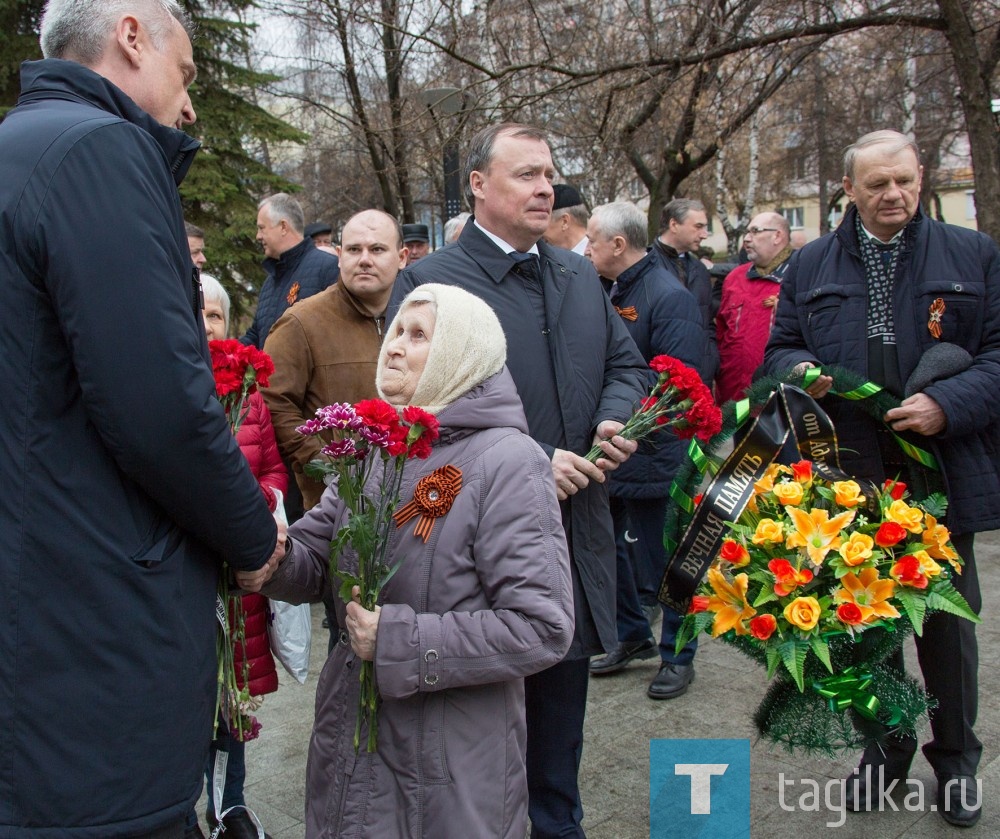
(340,448)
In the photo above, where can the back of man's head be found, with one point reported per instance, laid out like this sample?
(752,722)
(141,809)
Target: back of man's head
(281,206)
(78,30)
(621,218)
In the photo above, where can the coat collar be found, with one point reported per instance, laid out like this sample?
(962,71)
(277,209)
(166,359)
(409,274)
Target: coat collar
(289,260)
(53,78)
(557,270)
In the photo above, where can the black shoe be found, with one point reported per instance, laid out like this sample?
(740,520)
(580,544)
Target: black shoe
(621,655)
(960,799)
(193,832)
(880,767)
(238,825)
(326,623)
(672,681)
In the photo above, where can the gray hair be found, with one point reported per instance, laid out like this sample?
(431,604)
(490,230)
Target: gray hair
(480,153)
(678,210)
(578,212)
(214,293)
(78,30)
(192,231)
(280,206)
(454,225)
(895,141)
(622,219)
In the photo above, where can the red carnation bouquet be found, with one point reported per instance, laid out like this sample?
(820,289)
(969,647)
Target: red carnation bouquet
(371,442)
(238,370)
(679,401)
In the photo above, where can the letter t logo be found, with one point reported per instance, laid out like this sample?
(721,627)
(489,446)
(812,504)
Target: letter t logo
(701,783)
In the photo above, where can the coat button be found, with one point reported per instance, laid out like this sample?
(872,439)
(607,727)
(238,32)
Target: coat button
(431,679)
(344,638)
(958,286)
(430,656)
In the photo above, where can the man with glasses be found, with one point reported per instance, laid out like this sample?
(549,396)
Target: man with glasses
(749,298)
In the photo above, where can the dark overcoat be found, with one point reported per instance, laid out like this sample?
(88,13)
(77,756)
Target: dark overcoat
(123,488)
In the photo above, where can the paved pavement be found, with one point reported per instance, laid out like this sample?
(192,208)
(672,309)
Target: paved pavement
(621,721)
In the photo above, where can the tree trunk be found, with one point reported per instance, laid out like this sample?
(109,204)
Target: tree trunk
(974,94)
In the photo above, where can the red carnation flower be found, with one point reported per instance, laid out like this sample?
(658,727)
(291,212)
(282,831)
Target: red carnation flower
(377,413)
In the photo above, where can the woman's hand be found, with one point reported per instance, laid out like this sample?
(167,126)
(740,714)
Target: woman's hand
(362,627)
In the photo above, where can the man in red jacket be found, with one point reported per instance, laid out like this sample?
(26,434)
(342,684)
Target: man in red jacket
(749,298)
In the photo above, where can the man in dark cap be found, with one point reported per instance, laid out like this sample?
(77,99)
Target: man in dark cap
(417,239)
(568,225)
(320,232)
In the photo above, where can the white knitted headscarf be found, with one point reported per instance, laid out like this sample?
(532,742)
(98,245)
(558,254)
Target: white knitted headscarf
(467,346)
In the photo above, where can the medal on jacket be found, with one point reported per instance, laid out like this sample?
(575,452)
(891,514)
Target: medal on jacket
(936,309)
(628,312)
(293,294)
(432,498)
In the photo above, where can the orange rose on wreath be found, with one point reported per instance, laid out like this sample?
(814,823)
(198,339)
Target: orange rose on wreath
(803,612)
(788,492)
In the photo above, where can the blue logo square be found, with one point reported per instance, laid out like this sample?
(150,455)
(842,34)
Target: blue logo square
(699,788)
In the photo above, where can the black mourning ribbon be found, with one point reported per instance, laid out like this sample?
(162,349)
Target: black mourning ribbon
(789,411)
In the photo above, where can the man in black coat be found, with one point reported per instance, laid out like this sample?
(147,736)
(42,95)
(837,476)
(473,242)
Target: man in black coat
(124,489)
(683,227)
(874,296)
(579,376)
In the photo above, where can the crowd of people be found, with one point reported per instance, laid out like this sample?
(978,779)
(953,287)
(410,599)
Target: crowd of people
(527,335)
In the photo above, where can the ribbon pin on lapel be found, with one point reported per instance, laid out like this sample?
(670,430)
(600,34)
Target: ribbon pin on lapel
(628,312)
(293,294)
(936,309)
(432,498)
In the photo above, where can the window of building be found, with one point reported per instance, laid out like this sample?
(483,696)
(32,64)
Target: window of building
(794,215)
(970,204)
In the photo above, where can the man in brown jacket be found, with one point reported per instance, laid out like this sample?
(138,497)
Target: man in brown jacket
(325,349)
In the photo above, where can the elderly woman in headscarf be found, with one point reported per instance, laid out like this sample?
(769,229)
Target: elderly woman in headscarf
(484,602)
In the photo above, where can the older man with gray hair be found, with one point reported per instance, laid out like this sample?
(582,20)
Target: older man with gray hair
(296,268)
(124,489)
(663,319)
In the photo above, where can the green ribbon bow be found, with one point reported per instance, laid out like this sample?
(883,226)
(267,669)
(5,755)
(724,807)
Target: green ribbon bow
(850,689)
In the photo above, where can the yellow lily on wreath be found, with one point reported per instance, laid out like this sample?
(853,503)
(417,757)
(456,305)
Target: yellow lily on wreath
(729,603)
(816,531)
(869,593)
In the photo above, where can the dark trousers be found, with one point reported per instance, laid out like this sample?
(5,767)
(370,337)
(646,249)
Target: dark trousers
(555,703)
(640,562)
(174,831)
(949,660)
